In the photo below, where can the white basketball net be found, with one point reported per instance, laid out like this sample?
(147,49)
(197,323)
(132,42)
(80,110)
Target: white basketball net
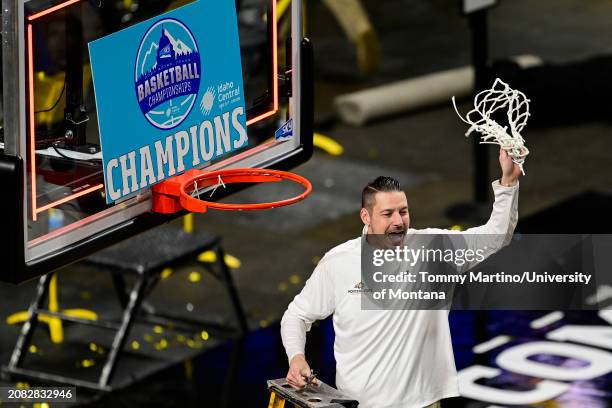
(485,104)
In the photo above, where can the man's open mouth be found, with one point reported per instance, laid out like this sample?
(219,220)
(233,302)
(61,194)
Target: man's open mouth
(396,237)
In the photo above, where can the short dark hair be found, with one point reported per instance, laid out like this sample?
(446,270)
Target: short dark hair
(378,185)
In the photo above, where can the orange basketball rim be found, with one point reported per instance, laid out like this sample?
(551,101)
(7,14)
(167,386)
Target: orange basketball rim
(177,194)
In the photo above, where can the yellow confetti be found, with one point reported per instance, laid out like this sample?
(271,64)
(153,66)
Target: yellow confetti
(148,338)
(181,338)
(195,277)
(88,363)
(327,144)
(33,349)
(283,286)
(456,228)
(161,345)
(135,345)
(232,261)
(158,329)
(22,385)
(166,273)
(211,257)
(93,347)
(204,335)
(207,257)
(295,279)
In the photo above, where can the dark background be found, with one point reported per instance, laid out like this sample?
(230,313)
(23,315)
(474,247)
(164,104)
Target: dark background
(566,189)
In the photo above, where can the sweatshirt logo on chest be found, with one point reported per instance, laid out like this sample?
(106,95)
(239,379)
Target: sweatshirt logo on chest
(360,287)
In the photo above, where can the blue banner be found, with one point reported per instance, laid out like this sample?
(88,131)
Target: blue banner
(169,95)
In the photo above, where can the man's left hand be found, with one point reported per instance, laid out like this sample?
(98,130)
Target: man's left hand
(510,170)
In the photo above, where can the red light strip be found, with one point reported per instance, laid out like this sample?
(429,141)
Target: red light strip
(52,9)
(260,117)
(274,56)
(70,197)
(32,122)
(274,71)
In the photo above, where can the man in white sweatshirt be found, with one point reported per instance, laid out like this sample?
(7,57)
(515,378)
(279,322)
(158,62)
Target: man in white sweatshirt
(386,358)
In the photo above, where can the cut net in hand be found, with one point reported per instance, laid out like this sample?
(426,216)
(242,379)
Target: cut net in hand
(486,103)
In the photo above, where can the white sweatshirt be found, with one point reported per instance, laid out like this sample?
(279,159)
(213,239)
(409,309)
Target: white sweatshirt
(388,358)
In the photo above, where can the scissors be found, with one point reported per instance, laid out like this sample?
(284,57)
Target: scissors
(311,378)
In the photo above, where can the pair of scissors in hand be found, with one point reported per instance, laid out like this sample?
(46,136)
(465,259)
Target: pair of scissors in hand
(311,378)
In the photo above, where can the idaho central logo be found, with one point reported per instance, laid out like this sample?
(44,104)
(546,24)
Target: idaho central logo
(167,73)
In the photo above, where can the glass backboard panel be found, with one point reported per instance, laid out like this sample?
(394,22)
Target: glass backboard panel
(64,184)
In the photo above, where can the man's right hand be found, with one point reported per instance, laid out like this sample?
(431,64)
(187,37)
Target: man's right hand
(299,371)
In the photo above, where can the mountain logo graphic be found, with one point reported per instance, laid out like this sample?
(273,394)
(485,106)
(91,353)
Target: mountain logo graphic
(167,73)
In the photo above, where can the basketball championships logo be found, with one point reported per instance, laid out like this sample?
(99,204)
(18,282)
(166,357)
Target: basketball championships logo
(167,73)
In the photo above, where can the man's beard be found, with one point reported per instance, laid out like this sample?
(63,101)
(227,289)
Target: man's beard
(396,236)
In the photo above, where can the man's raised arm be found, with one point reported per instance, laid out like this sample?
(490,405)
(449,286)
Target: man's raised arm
(504,216)
(498,230)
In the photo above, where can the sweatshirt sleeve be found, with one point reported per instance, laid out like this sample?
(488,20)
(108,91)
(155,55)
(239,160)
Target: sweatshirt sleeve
(497,232)
(315,302)
(504,216)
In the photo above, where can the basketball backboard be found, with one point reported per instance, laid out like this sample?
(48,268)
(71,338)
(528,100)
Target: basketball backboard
(55,205)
